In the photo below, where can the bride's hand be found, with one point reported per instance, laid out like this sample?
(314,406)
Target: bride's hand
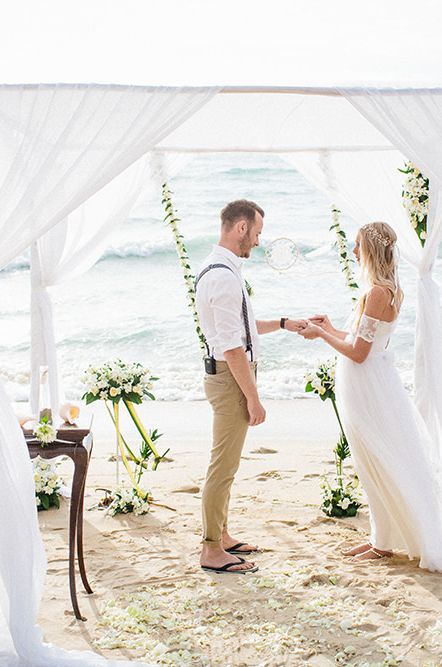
(311,331)
(322,321)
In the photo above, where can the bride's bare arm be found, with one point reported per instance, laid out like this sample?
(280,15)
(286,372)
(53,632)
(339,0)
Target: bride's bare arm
(358,350)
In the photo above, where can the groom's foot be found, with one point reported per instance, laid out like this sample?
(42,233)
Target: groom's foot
(233,544)
(216,557)
(354,551)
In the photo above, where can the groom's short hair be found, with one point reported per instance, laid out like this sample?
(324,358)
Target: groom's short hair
(240,209)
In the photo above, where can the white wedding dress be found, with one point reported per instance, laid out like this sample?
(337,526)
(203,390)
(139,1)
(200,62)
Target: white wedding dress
(390,448)
(22,561)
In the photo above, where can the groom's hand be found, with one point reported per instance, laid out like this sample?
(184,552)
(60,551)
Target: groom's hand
(311,331)
(295,325)
(257,414)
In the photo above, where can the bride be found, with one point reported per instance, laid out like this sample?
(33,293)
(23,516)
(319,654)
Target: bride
(388,439)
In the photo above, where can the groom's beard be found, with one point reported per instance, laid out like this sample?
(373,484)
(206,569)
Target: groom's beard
(245,247)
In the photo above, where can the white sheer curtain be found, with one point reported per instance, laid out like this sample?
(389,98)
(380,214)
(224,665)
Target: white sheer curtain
(59,145)
(367,185)
(74,245)
(412,121)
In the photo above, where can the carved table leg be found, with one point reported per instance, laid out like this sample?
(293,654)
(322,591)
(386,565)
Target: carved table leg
(80,459)
(81,566)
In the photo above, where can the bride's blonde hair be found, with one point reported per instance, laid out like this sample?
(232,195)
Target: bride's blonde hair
(377,242)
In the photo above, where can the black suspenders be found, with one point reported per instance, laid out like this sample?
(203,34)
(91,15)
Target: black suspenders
(249,347)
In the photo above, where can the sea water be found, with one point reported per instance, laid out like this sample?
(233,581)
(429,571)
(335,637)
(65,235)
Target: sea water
(133,303)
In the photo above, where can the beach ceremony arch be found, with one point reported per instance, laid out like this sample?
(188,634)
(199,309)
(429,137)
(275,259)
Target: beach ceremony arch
(75,157)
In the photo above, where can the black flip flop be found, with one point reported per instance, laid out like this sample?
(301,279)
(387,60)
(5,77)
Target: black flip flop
(224,569)
(236,549)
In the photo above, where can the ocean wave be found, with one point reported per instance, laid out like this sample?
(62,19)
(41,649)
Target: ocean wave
(250,171)
(20,263)
(160,249)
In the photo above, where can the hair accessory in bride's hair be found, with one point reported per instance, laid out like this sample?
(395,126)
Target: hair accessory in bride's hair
(374,234)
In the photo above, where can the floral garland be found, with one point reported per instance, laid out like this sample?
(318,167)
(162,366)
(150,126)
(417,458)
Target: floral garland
(416,200)
(341,500)
(345,259)
(47,485)
(172,220)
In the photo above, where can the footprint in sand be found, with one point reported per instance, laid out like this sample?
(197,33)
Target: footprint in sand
(264,450)
(270,474)
(191,488)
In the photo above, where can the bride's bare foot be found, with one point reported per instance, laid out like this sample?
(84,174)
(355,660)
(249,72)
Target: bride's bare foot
(372,554)
(354,551)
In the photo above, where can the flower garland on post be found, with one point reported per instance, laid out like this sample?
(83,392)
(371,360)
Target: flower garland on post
(416,200)
(172,220)
(345,259)
(340,501)
(116,382)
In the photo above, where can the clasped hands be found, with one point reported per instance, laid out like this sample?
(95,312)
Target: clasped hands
(311,327)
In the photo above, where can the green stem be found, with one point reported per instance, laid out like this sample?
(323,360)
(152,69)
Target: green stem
(131,454)
(337,415)
(142,431)
(140,492)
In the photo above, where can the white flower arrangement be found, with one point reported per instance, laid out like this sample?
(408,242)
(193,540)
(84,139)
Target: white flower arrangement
(321,380)
(415,198)
(45,432)
(47,485)
(345,259)
(341,500)
(117,380)
(126,500)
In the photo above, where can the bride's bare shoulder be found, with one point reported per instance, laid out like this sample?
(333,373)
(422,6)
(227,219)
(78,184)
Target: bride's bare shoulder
(378,299)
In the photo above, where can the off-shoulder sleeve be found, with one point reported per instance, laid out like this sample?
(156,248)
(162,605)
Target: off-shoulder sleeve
(367,328)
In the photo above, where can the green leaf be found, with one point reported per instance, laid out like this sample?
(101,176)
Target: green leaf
(44,499)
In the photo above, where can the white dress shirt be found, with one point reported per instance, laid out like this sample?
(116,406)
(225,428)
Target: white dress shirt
(219,305)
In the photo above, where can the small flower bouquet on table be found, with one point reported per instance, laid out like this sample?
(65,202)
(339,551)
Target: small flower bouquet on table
(47,485)
(340,500)
(45,432)
(128,383)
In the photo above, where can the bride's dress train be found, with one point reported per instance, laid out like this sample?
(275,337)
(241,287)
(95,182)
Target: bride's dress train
(390,448)
(23,563)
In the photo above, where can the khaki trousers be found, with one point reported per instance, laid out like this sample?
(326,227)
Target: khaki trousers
(230,424)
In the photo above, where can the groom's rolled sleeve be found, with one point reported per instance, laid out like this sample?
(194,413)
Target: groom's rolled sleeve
(226,303)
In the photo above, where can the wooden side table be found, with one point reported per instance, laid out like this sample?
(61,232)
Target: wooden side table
(77,444)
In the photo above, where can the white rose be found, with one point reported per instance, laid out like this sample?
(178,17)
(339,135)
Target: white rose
(114,391)
(344,503)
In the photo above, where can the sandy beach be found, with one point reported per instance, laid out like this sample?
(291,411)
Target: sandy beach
(307,605)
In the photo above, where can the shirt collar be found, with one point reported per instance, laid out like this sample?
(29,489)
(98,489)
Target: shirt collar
(229,255)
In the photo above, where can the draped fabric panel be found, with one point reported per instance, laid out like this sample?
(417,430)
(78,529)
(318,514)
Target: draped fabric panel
(412,121)
(74,245)
(365,185)
(61,144)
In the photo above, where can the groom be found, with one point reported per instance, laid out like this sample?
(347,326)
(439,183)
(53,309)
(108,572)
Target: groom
(231,334)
